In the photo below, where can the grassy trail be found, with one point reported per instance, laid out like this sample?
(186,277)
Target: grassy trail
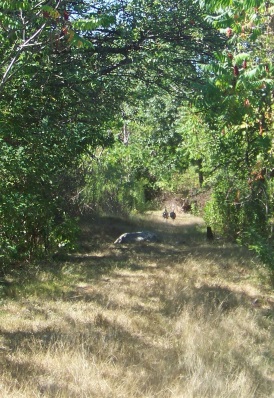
(179,318)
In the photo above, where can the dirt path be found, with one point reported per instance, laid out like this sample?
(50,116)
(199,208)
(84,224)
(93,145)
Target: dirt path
(104,231)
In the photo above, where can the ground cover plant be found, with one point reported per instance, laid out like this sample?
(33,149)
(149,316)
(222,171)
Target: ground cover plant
(182,317)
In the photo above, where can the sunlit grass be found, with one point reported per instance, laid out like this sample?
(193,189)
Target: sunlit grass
(178,318)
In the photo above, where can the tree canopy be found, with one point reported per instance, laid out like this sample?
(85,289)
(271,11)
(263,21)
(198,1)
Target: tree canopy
(191,81)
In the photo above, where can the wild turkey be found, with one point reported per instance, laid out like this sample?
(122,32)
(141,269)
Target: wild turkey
(209,233)
(172,215)
(165,214)
(186,206)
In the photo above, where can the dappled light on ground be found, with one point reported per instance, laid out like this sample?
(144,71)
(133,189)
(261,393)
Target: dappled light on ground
(181,317)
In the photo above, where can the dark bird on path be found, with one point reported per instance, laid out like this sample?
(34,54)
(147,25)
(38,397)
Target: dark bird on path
(165,214)
(209,233)
(172,215)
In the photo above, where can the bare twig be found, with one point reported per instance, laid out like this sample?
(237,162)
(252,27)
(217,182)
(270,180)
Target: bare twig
(19,51)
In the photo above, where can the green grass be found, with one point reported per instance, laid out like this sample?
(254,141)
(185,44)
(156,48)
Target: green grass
(178,318)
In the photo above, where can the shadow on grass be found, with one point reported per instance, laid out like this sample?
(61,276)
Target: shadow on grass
(133,350)
(97,255)
(108,229)
(97,234)
(92,266)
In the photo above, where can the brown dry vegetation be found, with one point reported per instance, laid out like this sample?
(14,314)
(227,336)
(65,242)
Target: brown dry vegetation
(179,318)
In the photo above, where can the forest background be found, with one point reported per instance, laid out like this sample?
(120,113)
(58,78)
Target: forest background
(107,105)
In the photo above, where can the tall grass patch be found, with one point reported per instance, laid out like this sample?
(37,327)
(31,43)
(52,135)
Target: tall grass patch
(176,318)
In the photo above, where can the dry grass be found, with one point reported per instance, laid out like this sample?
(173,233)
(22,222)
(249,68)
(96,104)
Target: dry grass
(180,318)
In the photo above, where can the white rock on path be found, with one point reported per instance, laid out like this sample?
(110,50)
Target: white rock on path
(131,237)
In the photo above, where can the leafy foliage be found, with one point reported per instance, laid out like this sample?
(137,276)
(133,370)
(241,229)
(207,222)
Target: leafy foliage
(239,104)
(67,69)
(163,84)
